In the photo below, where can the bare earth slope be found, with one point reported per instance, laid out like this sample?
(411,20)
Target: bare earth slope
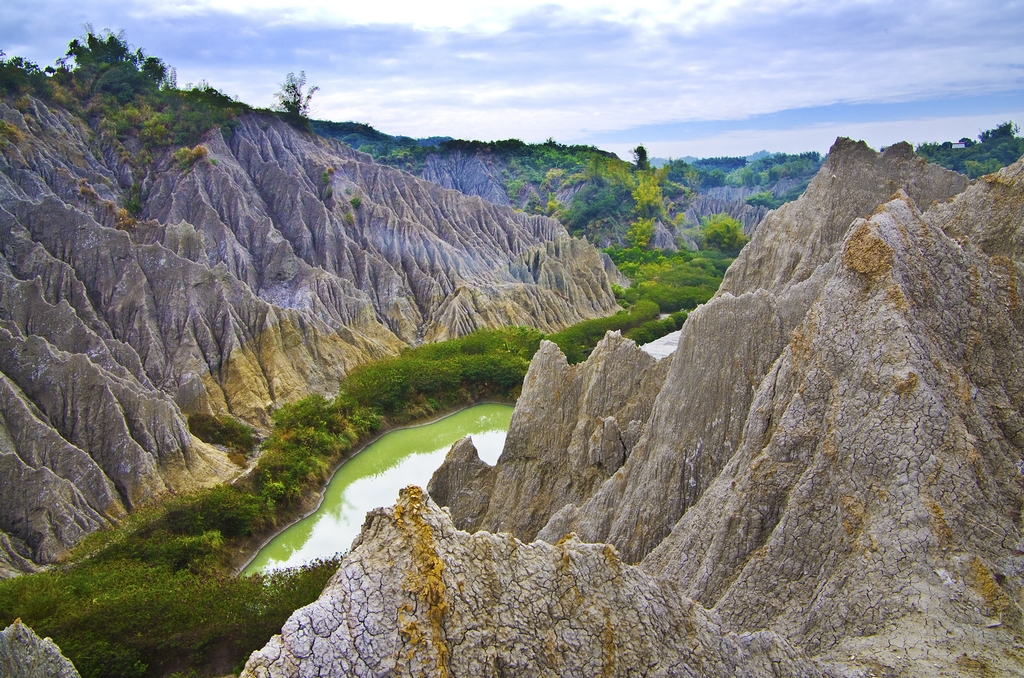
(848,489)
(562,443)
(249,279)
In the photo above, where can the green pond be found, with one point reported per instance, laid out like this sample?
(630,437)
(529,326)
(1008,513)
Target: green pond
(373,478)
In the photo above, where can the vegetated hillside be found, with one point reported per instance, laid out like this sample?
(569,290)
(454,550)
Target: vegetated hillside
(167,252)
(827,470)
(745,188)
(593,192)
(995,148)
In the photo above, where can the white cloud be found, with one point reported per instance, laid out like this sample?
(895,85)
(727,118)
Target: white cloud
(575,70)
(476,15)
(820,137)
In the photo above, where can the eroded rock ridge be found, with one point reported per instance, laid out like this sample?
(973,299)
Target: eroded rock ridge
(261,270)
(23,654)
(831,464)
(416,597)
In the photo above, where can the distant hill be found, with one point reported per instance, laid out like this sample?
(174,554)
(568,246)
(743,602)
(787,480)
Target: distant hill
(591,191)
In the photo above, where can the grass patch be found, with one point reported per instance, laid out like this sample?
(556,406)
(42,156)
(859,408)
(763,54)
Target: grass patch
(155,596)
(222,430)
(423,380)
(125,616)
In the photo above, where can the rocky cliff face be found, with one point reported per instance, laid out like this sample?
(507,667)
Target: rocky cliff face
(23,654)
(728,346)
(264,269)
(874,499)
(832,462)
(563,442)
(476,174)
(416,597)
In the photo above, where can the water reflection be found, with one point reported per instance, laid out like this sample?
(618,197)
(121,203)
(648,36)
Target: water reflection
(374,477)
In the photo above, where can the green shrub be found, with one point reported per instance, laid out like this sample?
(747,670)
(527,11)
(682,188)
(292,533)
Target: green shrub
(187,157)
(487,363)
(723,233)
(993,149)
(130,618)
(222,430)
(9,132)
(577,341)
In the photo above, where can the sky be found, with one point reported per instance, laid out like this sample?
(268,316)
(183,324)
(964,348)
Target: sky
(683,77)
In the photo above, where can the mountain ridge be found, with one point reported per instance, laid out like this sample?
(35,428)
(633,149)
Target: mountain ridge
(261,265)
(839,476)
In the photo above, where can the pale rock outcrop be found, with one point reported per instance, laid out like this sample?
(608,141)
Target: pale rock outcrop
(874,501)
(663,239)
(728,345)
(251,278)
(844,469)
(574,426)
(23,654)
(801,235)
(416,597)
(989,213)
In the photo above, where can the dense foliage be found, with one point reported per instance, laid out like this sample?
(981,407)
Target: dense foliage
(994,149)
(721,233)
(665,286)
(485,364)
(766,171)
(640,323)
(223,430)
(378,144)
(127,617)
(154,595)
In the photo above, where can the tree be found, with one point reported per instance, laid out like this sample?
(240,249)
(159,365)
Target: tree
(647,196)
(640,233)
(1007,130)
(292,102)
(723,233)
(640,156)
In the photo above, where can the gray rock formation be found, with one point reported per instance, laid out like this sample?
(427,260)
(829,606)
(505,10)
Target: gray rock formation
(707,204)
(416,597)
(475,174)
(732,200)
(663,238)
(832,463)
(874,500)
(563,442)
(250,278)
(728,346)
(804,234)
(23,654)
